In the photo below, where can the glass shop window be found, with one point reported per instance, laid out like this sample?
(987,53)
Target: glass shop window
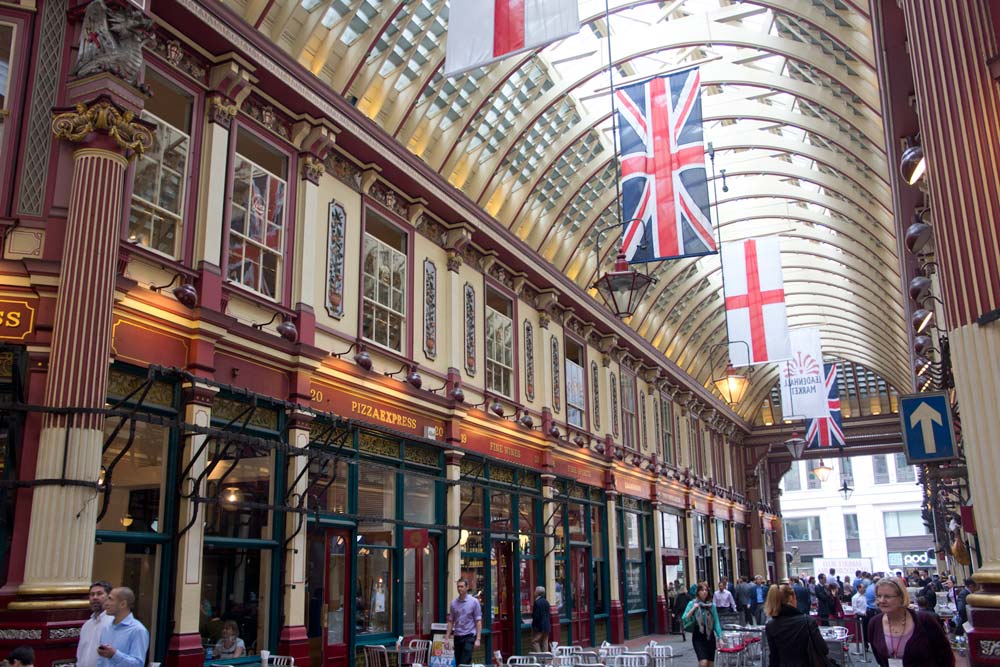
(238,488)
(373,603)
(419,502)
(132,469)
(598,561)
(529,553)
(158,190)
(233,588)
(576,384)
(328,485)
(6,63)
(376,505)
(499,344)
(667,428)
(257,216)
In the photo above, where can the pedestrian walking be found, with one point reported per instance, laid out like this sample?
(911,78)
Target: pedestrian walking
(124,641)
(465,624)
(702,619)
(541,622)
(90,633)
(901,637)
(793,638)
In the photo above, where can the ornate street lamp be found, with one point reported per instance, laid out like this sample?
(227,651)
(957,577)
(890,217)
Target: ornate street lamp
(623,288)
(733,385)
(822,471)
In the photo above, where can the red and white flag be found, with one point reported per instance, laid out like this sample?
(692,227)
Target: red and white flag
(755,301)
(481,31)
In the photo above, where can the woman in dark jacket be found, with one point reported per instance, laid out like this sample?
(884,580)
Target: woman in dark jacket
(792,637)
(898,632)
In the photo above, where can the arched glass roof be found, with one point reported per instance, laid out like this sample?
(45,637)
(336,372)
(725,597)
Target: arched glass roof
(790,103)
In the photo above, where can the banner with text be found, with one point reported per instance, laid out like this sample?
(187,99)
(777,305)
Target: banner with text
(803,393)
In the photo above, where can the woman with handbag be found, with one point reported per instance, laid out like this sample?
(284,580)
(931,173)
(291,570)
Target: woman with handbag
(901,637)
(702,620)
(793,638)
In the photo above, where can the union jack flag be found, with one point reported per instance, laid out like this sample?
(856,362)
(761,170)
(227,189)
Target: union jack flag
(827,431)
(664,184)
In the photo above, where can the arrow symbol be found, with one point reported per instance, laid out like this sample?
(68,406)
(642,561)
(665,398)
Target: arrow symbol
(926,416)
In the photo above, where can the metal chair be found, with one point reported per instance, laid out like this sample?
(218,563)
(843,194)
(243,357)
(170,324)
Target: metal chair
(564,660)
(628,660)
(544,657)
(419,651)
(730,650)
(660,655)
(587,658)
(522,660)
(375,656)
(608,650)
(567,650)
(284,660)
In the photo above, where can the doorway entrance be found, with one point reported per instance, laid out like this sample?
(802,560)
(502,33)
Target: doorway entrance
(328,613)
(504,593)
(419,586)
(580,610)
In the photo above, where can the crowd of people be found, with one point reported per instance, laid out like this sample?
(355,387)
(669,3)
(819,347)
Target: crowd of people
(899,631)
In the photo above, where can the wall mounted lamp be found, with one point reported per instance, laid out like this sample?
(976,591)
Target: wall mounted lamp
(185,293)
(361,356)
(413,377)
(922,344)
(912,164)
(918,234)
(919,288)
(921,319)
(286,328)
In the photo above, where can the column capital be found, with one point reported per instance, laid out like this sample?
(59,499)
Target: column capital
(103,117)
(198,393)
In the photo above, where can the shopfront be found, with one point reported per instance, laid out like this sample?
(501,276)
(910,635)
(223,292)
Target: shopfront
(635,556)
(673,548)
(724,557)
(502,550)
(703,565)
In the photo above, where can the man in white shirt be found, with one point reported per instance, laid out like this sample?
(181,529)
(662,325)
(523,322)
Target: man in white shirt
(859,604)
(90,633)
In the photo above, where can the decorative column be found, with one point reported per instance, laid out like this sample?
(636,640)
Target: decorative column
(713,548)
(549,546)
(692,573)
(184,648)
(780,562)
(733,554)
(315,142)
(293,640)
(616,615)
(758,551)
(229,84)
(953,52)
(660,624)
(60,551)
(453,508)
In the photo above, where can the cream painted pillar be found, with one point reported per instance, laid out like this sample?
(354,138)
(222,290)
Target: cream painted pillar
(732,553)
(616,616)
(692,573)
(453,507)
(310,219)
(292,639)
(713,541)
(549,543)
(659,583)
(453,302)
(186,640)
(758,550)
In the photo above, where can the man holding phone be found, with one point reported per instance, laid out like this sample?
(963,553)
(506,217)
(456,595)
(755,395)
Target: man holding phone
(125,641)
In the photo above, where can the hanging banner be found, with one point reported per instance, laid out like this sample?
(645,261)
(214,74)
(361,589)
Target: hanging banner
(755,301)
(803,392)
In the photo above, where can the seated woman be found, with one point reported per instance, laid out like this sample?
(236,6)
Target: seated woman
(230,645)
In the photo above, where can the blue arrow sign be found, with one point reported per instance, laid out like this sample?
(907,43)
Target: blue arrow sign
(926,425)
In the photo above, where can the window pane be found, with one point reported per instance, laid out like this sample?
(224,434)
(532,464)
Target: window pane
(135,566)
(376,500)
(419,501)
(575,397)
(230,590)
(373,603)
(257,217)
(632,547)
(6,46)
(904,472)
(881,468)
(238,474)
(134,481)
(792,478)
(384,304)
(851,526)
(328,486)
(499,348)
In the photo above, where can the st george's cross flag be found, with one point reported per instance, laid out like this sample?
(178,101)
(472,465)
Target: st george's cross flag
(803,394)
(664,183)
(827,431)
(755,301)
(482,31)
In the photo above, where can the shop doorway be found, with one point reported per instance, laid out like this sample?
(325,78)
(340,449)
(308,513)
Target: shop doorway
(419,585)
(329,613)
(580,610)
(504,593)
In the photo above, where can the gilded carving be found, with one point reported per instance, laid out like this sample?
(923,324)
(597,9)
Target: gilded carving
(556,384)
(103,116)
(529,361)
(596,397)
(20,634)
(122,384)
(378,445)
(312,169)
(64,633)
(178,57)
(470,330)
(425,456)
(227,409)
(336,234)
(502,474)
(343,169)
(989,647)
(221,110)
(454,261)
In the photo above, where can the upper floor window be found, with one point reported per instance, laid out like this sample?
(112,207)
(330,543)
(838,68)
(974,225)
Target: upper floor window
(802,529)
(6,57)
(881,468)
(907,523)
(904,472)
(257,218)
(667,428)
(158,192)
(499,344)
(385,278)
(576,402)
(851,526)
(629,411)
(793,478)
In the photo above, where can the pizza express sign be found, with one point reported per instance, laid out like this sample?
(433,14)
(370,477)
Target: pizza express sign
(17,318)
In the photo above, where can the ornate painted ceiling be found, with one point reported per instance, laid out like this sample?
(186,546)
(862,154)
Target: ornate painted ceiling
(791,106)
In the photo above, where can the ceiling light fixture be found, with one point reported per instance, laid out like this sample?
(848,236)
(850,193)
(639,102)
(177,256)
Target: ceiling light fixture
(733,385)
(912,164)
(822,471)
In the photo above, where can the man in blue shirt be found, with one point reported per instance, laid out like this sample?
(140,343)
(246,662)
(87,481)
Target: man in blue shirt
(465,622)
(760,596)
(125,641)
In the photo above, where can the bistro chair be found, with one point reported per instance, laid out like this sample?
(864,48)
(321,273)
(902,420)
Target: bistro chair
(729,651)
(522,660)
(375,656)
(587,658)
(567,650)
(660,655)
(564,660)
(610,650)
(418,652)
(68,662)
(628,660)
(281,661)
(544,657)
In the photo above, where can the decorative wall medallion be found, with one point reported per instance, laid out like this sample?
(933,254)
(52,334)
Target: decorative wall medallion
(343,169)
(470,330)
(642,420)
(656,423)
(178,55)
(268,116)
(595,384)
(556,389)
(614,404)
(430,309)
(529,360)
(335,260)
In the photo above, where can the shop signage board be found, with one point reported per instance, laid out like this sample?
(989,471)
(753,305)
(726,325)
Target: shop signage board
(17,318)
(501,448)
(581,472)
(367,408)
(630,486)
